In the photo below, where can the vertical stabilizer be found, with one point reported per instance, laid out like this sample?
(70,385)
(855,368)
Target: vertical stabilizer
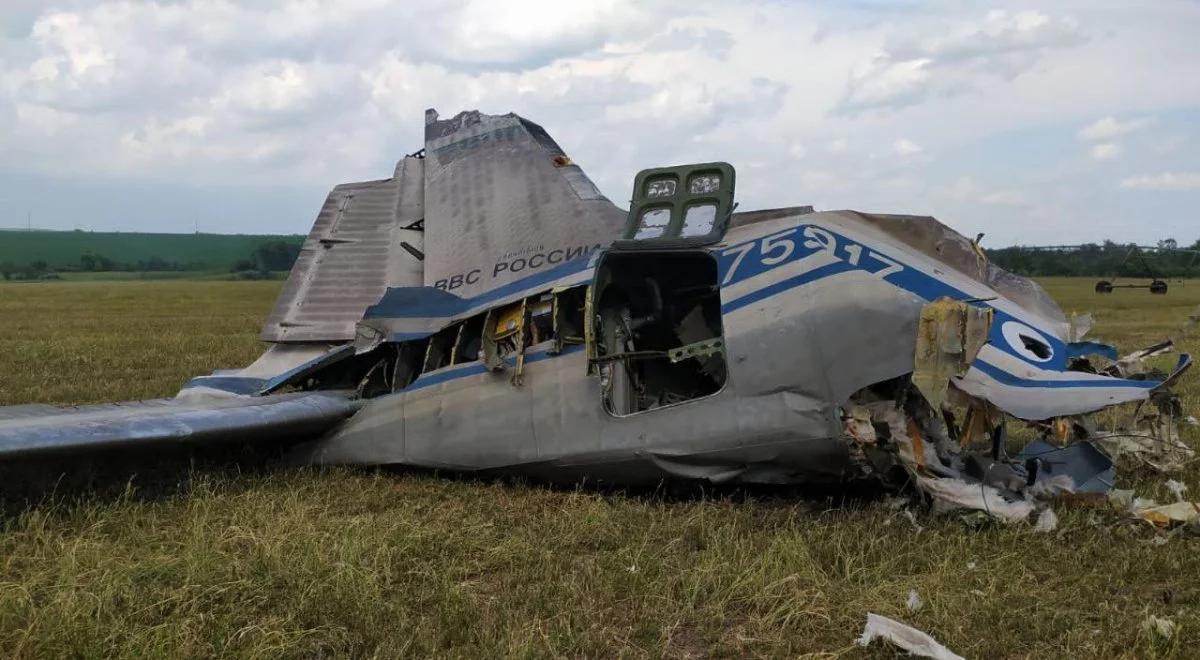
(503,202)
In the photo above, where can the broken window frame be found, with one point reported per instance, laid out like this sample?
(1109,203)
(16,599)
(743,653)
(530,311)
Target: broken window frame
(465,333)
(450,333)
(560,313)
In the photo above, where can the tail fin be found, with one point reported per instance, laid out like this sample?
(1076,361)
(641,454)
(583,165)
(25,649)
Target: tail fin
(492,199)
(367,238)
(503,201)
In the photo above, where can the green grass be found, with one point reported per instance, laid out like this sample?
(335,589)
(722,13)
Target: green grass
(63,248)
(341,562)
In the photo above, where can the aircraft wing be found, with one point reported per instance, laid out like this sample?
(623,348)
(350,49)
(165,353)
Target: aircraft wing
(41,429)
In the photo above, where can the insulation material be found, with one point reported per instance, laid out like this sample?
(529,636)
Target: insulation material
(949,336)
(954,494)
(1164,515)
(904,637)
(1160,515)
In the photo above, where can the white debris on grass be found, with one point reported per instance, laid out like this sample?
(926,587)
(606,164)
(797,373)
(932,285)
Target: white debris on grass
(953,494)
(1160,626)
(904,637)
(1047,521)
(914,602)
(1051,487)
(1177,489)
(1161,515)
(912,518)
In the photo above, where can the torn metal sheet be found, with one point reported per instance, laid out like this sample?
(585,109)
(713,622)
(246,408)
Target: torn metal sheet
(953,494)
(1089,470)
(1157,445)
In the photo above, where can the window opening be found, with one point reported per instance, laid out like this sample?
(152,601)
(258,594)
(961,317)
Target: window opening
(469,343)
(441,345)
(658,336)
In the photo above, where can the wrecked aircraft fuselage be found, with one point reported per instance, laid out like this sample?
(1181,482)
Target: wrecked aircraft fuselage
(486,309)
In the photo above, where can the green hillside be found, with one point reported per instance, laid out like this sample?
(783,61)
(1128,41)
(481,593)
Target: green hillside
(63,250)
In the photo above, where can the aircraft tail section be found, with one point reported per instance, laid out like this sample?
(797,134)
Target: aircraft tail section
(367,237)
(490,200)
(503,202)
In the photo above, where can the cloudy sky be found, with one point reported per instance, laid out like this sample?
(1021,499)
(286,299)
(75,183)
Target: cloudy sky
(1037,123)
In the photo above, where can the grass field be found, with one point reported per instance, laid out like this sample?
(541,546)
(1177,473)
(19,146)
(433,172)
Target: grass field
(271,563)
(63,248)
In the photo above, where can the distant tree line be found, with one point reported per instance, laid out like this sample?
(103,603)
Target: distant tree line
(269,256)
(266,257)
(1107,259)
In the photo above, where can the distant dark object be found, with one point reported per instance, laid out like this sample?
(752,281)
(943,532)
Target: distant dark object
(1110,261)
(1156,286)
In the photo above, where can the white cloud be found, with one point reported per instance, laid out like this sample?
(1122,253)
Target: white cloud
(965,189)
(1004,198)
(947,60)
(905,147)
(1105,151)
(1108,128)
(1164,181)
(309,93)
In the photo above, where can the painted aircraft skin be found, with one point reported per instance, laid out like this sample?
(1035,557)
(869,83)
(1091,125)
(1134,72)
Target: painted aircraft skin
(814,307)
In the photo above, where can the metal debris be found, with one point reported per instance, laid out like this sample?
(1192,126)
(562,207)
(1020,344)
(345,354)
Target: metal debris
(1149,510)
(1166,515)
(1163,451)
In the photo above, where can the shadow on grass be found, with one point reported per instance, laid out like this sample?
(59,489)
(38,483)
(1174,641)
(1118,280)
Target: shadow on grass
(130,475)
(143,475)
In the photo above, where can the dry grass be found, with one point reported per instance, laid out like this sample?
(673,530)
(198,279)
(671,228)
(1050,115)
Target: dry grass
(306,563)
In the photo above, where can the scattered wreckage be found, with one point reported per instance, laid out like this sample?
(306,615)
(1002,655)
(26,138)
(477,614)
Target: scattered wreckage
(486,309)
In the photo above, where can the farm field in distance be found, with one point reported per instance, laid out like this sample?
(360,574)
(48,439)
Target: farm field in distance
(63,248)
(265,561)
